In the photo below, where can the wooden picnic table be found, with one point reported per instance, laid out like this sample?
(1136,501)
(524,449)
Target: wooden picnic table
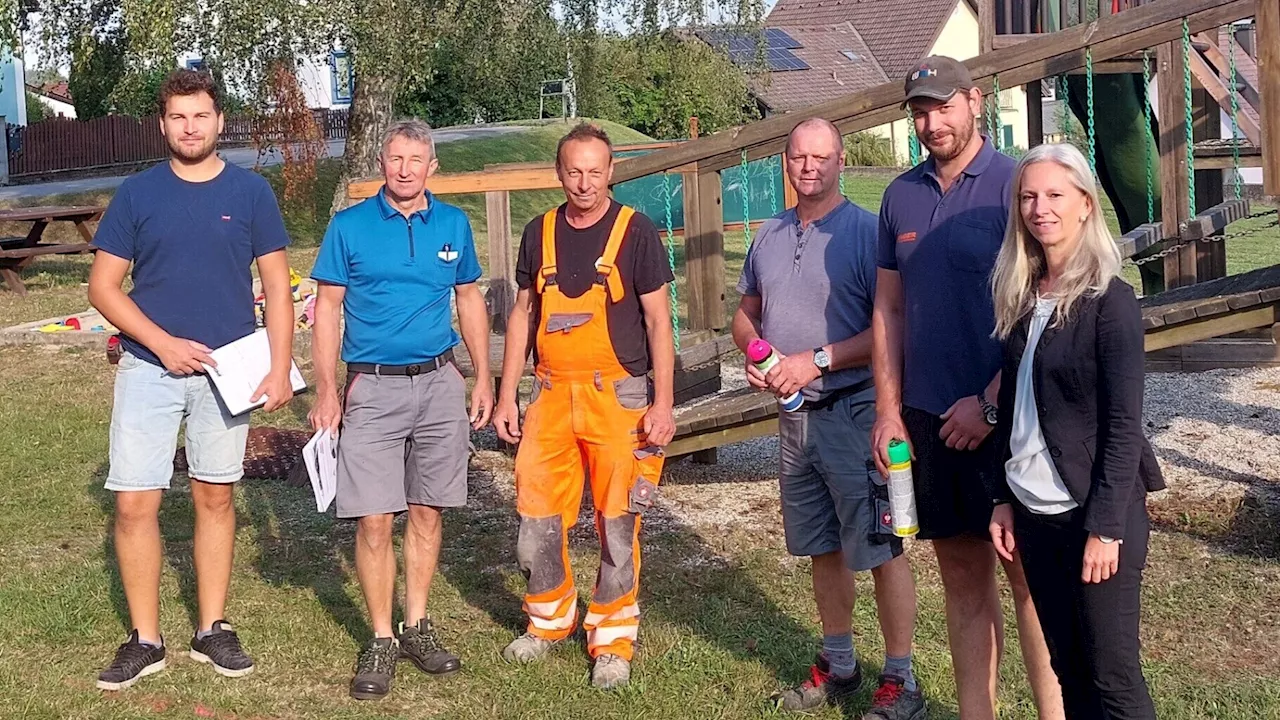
(16,253)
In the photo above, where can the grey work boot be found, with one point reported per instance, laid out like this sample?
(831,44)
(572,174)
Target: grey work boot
(527,648)
(610,672)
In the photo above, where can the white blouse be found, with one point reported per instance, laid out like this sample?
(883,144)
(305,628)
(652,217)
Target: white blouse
(1030,470)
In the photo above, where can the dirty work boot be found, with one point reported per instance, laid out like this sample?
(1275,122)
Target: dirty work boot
(527,648)
(610,672)
(375,669)
(893,701)
(420,644)
(221,649)
(821,688)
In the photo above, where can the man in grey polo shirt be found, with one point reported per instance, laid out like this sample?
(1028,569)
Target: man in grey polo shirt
(937,369)
(390,265)
(807,287)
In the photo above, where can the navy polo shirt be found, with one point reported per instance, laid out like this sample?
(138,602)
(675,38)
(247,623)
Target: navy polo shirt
(944,246)
(192,245)
(399,273)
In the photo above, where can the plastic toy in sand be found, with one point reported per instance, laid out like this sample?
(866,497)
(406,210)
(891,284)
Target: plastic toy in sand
(68,325)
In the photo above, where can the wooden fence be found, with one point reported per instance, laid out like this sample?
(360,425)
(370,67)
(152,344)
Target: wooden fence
(60,144)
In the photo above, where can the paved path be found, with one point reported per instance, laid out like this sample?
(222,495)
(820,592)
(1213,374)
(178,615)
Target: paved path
(244,157)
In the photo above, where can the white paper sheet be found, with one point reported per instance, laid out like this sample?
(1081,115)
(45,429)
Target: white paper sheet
(242,365)
(321,457)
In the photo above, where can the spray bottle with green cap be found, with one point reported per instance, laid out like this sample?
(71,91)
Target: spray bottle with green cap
(902,494)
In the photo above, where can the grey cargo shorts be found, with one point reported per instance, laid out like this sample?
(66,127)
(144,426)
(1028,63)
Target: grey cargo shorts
(405,440)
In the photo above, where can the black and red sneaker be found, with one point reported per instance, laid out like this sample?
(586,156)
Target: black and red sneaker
(893,701)
(821,688)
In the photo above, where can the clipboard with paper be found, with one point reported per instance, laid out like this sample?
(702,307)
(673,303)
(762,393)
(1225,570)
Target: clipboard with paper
(242,365)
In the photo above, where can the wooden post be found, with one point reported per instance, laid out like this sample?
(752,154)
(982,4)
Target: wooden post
(1268,47)
(704,251)
(502,273)
(789,196)
(1179,267)
(1035,114)
(1211,256)
(987,25)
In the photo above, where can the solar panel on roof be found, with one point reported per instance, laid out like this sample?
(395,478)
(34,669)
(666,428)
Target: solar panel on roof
(743,48)
(778,38)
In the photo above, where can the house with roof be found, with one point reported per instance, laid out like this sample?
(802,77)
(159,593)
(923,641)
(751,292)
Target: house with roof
(817,50)
(55,96)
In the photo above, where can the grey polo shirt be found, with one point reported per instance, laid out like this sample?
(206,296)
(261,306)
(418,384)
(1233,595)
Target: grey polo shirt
(816,285)
(944,247)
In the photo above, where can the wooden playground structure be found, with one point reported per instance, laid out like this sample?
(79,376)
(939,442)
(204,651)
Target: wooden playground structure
(1188,296)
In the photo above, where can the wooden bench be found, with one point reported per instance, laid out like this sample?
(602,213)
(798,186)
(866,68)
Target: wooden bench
(16,253)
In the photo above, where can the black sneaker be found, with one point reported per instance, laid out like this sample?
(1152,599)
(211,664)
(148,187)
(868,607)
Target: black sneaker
(821,688)
(420,644)
(133,660)
(893,701)
(375,669)
(222,649)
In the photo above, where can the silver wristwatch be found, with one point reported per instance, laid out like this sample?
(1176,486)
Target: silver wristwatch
(989,412)
(822,359)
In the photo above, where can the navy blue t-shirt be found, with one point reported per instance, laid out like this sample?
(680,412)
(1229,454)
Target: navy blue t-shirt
(192,245)
(944,247)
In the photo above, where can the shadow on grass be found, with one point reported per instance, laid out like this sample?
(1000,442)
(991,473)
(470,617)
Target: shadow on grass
(296,548)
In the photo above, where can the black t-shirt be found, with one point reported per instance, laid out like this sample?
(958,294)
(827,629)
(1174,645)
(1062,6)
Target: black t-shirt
(642,264)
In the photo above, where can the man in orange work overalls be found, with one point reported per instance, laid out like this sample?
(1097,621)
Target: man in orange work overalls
(593,304)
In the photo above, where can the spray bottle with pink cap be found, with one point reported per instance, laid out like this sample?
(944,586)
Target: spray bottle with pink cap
(762,355)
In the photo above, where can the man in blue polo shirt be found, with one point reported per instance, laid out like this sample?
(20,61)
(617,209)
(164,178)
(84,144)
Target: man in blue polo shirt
(390,264)
(937,371)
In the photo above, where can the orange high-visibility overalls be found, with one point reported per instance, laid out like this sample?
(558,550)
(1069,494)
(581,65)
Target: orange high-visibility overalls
(585,416)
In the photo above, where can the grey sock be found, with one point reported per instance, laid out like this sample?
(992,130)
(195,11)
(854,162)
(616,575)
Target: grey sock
(202,634)
(901,667)
(150,643)
(838,650)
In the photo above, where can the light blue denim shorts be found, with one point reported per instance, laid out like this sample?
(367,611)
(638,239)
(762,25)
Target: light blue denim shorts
(150,405)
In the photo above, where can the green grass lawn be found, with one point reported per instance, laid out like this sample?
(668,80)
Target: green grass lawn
(728,619)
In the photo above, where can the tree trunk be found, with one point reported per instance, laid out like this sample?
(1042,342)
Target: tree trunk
(372,106)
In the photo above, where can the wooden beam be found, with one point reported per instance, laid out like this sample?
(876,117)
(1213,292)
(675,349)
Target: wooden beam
(1268,39)
(1216,326)
(694,442)
(1213,220)
(1176,200)
(790,198)
(704,251)
(1045,56)
(1224,162)
(1245,68)
(543,178)
(501,295)
(987,25)
(1211,257)
(1221,94)
(1035,113)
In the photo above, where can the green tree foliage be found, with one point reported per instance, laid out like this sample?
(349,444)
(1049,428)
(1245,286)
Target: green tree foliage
(36,110)
(97,66)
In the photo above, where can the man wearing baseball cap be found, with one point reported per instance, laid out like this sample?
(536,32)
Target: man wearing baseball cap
(937,371)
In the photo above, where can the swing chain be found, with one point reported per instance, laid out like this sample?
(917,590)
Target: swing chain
(746,202)
(1088,79)
(993,115)
(671,259)
(1149,139)
(1235,113)
(1189,120)
(774,176)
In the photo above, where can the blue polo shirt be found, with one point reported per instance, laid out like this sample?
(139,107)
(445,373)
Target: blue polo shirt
(944,246)
(399,274)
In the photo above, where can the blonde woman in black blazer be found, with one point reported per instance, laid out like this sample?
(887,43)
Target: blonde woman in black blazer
(1077,465)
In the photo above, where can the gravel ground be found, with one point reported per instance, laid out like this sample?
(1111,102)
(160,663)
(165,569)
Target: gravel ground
(1217,434)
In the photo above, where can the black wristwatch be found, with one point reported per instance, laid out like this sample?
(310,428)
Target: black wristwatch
(822,359)
(989,413)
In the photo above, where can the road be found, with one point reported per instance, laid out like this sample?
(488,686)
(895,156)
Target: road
(244,157)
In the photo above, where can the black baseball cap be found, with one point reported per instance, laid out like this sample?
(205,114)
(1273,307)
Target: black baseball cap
(937,77)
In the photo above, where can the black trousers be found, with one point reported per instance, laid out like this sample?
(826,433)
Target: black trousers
(1091,629)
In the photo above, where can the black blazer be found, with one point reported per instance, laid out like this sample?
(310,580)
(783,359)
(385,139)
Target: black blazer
(1088,376)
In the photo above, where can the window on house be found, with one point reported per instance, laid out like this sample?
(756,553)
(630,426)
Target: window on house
(850,55)
(195,64)
(1007,99)
(1007,131)
(343,74)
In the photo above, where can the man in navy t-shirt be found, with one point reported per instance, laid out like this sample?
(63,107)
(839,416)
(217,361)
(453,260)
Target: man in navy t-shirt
(191,228)
(937,370)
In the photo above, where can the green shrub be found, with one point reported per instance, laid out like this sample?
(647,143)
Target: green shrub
(867,150)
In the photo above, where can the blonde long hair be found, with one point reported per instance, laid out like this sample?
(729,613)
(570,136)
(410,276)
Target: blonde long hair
(1021,262)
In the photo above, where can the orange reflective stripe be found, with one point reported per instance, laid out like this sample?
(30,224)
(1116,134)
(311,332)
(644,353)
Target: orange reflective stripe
(548,249)
(608,261)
